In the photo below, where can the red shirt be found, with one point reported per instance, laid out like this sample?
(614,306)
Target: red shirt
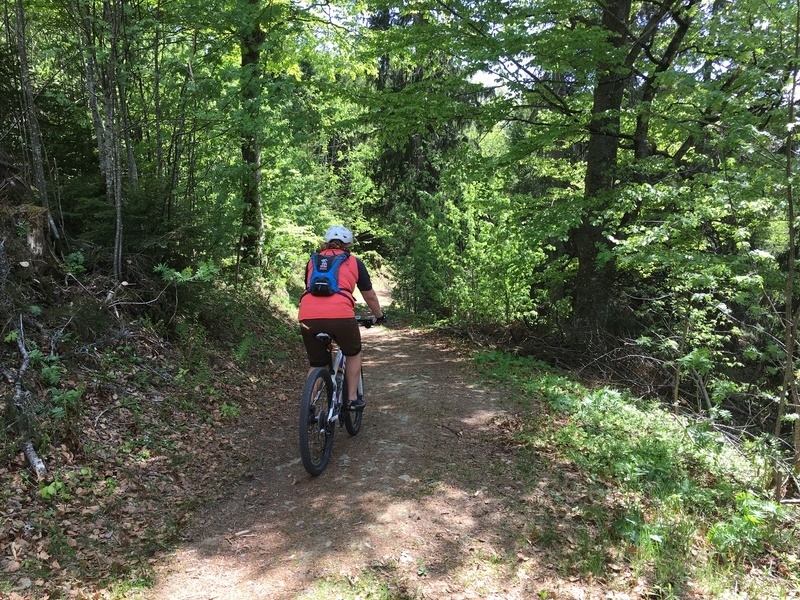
(336,306)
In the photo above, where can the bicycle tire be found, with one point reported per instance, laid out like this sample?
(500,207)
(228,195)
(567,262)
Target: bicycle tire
(352,418)
(316,432)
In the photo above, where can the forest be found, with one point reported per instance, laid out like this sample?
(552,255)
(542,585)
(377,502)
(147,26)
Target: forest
(606,186)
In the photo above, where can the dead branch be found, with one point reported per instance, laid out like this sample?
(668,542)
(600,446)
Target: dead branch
(34,461)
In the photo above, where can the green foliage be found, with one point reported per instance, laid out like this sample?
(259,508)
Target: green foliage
(755,523)
(474,197)
(65,405)
(535,379)
(61,412)
(51,373)
(693,232)
(205,272)
(723,278)
(674,479)
(74,263)
(243,349)
(54,489)
(230,411)
(646,450)
(461,253)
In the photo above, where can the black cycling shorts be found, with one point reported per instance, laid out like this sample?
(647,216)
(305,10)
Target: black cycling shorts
(344,331)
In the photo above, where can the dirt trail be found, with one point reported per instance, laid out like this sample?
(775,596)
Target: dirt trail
(422,497)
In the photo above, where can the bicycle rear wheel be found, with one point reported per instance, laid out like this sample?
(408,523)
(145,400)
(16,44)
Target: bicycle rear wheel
(316,433)
(352,418)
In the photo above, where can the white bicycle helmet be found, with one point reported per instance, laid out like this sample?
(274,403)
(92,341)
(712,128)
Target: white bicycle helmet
(339,232)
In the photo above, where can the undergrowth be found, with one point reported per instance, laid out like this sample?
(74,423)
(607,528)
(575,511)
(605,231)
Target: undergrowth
(130,419)
(682,506)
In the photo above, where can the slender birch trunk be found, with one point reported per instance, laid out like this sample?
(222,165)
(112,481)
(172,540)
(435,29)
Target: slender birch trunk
(102,83)
(33,131)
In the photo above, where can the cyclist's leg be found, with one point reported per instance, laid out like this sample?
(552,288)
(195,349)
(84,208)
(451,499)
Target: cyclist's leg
(352,372)
(352,418)
(348,335)
(317,353)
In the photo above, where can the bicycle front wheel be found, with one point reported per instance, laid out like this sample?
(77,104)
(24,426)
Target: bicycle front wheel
(352,418)
(316,432)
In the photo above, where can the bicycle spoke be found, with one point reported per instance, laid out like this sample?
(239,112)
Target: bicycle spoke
(316,435)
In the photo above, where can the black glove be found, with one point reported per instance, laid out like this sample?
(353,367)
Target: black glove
(378,321)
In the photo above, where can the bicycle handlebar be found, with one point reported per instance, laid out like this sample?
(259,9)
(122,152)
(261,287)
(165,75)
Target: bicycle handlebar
(367,323)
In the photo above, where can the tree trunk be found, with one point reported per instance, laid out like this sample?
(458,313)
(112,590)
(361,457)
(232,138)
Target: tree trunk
(252,234)
(641,136)
(158,124)
(789,392)
(594,284)
(114,16)
(105,114)
(34,133)
(89,57)
(792,327)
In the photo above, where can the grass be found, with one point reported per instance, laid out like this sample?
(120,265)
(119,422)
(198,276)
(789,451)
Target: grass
(682,503)
(377,583)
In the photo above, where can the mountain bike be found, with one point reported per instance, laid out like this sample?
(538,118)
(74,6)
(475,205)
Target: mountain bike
(322,409)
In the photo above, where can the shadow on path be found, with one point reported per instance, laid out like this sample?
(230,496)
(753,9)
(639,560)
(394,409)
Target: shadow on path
(420,496)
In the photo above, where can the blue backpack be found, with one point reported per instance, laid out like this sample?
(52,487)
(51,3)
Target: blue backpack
(324,277)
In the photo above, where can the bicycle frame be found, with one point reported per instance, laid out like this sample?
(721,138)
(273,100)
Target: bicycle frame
(322,407)
(337,363)
(337,367)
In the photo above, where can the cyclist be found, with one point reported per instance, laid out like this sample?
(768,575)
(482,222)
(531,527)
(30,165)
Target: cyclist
(335,314)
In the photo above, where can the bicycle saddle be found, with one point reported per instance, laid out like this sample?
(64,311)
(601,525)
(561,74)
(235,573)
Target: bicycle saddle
(325,338)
